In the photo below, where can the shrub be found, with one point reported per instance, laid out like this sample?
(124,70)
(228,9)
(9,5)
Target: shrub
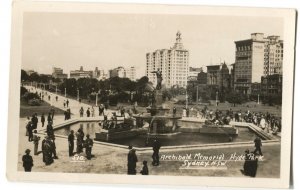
(34,102)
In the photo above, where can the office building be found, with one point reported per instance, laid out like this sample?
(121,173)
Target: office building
(173,63)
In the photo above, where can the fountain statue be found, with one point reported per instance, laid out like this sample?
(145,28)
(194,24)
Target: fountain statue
(158,119)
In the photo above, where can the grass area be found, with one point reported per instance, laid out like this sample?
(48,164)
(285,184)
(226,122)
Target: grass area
(27,110)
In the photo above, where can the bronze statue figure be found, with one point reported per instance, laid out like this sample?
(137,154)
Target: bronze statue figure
(158,78)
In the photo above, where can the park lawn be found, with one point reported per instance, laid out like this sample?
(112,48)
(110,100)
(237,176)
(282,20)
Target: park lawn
(27,110)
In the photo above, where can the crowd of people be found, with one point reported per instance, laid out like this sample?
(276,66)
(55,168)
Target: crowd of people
(266,121)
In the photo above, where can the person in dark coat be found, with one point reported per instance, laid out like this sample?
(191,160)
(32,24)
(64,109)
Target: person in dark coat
(47,150)
(174,111)
(49,118)
(155,156)
(81,112)
(253,165)
(258,145)
(27,161)
(67,102)
(88,113)
(34,121)
(71,143)
(131,161)
(43,119)
(247,163)
(145,170)
(49,130)
(88,147)
(54,148)
(29,131)
(79,140)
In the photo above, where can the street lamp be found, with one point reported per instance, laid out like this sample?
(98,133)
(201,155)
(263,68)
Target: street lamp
(65,92)
(217,98)
(258,99)
(96,99)
(77,94)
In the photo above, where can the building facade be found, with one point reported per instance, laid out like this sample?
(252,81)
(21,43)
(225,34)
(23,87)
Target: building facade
(131,73)
(77,74)
(254,58)
(58,73)
(123,73)
(193,73)
(173,63)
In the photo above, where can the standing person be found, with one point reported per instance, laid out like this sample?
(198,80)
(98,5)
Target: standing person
(29,131)
(88,147)
(187,112)
(66,114)
(27,161)
(36,140)
(49,118)
(258,145)
(132,160)
(88,113)
(43,119)
(122,112)
(56,97)
(52,113)
(54,148)
(174,111)
(145,170)
(93,111)
(79,140)
(67,102)
(34,121)
(49,98)
(64,103)
(49,130)
(71,143)
(28,122)
(47,151)
(155,155)
(81,112)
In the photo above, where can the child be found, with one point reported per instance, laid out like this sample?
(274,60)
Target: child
(145,170)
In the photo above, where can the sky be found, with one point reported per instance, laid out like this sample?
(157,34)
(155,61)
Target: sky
(106,41)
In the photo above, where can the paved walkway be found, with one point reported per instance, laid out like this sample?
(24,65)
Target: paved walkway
(74,105)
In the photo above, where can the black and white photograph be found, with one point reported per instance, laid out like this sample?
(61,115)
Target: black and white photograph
(183,94)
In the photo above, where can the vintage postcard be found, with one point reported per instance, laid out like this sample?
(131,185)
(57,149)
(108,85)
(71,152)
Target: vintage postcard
(151,94)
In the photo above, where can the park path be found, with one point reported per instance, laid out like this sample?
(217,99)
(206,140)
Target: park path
(74,105)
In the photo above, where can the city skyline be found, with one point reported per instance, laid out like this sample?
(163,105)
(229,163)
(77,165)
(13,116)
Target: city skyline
(71,40)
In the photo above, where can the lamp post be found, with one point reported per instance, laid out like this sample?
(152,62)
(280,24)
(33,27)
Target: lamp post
(197,95)
(56,89)
(187,99)
(65,92)
(77,94)
(258,99)
(217,98)
(96,99)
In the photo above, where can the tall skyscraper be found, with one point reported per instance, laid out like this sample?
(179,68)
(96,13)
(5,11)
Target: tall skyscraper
(254,58)
(173,63)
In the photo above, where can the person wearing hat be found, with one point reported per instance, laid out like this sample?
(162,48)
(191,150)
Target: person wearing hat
(29,131)
(155,156)
(145,170)
(47,150)
(53,148)
(79,140)
(132,160)
(27,161)
(35,140)
(88,147)
(71,143)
